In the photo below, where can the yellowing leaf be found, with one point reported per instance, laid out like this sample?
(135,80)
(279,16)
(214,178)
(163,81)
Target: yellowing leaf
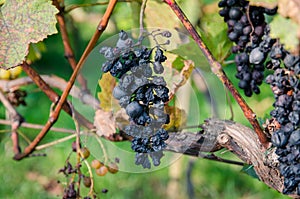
(105,123)
(158,14)
(107,84)
(177,118)
(181,78)
(290,9)
(23,22)
(264,3)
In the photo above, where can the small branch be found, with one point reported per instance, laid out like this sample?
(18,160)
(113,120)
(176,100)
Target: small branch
(219,159)
(50,144)
(69,53)
(218,71)
(53,81)
(15,121)
(15,118)
(38,126)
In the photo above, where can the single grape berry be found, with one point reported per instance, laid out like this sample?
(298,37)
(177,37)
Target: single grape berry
(102,171)
(113,167)
(134,109)
(256,56)
(85,152)
(96,164)
(4,74)
(87,181)
(15,72)
(235,13)
(104,190)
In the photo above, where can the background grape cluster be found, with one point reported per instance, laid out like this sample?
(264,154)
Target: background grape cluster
(255,51)
(142,93)
(248,29)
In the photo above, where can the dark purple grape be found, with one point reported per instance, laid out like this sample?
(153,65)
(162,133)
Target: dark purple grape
(231,22)
(295,138)
(224,12)
(259,31)
(243,84)
(289,60)
(158,68)
(256,56)
(238,28)
(233,36)
(235,13)
(159,56)
(279,138)
(222,3)
(118,93)
(272,11)
(231,2)
(134,109)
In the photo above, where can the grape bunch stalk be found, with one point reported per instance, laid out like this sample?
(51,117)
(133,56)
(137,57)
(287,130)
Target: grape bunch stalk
(141,92)
(255,50)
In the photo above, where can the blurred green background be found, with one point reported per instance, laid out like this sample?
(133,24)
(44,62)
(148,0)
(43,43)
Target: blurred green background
(185,178)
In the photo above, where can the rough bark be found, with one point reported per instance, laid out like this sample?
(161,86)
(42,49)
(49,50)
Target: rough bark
(239,139)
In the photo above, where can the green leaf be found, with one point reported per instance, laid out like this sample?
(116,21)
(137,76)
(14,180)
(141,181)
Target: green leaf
(178,63)
(214,34)
(286,30)
(23,22)
(249,169)
(190,51)
(35,51)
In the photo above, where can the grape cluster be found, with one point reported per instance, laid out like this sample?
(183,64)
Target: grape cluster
(249,31)
(142,93)
(255,51)
(285,86)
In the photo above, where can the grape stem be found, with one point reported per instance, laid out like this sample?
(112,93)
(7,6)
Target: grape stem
(218,71)
(142,11)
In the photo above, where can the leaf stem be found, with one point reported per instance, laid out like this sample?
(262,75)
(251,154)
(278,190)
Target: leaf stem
(216,68)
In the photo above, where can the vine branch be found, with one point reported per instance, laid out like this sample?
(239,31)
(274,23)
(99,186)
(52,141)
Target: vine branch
(218,71)
(69,53)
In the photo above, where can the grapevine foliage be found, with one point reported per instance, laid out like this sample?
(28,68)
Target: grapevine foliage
(255,50)
(141,92)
